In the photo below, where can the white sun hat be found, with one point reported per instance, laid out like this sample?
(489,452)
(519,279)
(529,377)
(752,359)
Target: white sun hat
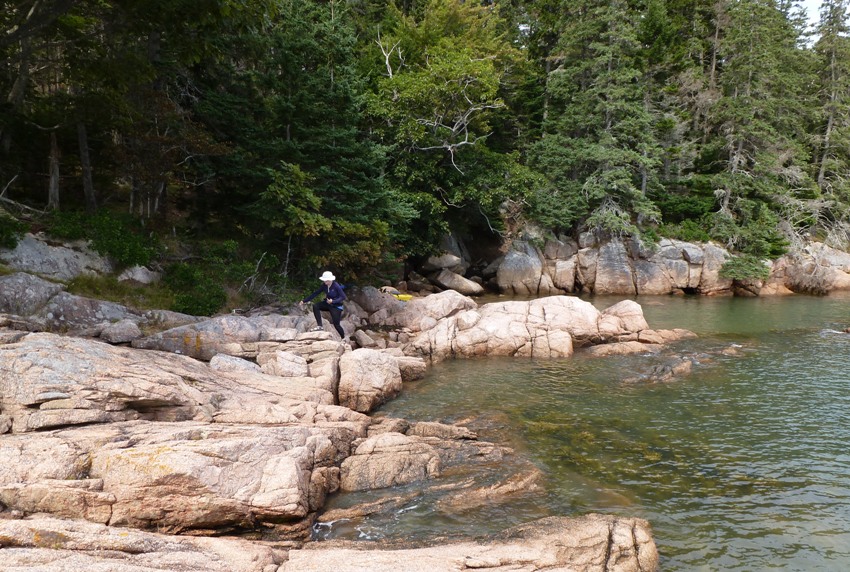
(327,276)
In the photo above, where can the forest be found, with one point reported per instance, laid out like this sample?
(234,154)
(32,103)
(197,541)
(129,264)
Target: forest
(288,136)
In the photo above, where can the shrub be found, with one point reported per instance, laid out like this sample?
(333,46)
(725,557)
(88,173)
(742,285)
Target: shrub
(744,268)
(195,292)
(119,237)
(11,231)
(687,230)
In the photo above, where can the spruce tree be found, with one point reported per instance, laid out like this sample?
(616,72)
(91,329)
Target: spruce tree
(598,147)
(759,126)
(832,130)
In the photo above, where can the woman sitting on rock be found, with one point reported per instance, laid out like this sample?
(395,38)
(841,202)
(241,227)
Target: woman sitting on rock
(334,295)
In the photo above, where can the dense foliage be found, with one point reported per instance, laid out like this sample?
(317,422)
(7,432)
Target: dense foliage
(348,133)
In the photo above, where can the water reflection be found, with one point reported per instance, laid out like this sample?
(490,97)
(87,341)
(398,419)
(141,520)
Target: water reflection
(740,465)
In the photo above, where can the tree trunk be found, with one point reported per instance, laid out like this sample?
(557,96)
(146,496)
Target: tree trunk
(53,185)
(85,164)
(160,206)
(830,121)
(15,99)
(133,195)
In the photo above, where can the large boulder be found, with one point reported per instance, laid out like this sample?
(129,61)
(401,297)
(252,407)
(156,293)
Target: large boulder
(58,262)
(121,332)
(442,262)
(371,299)
(283,364)
(389,459)
(48,381)
(614,274)
(173,476)
(233,335)
(69,312)
(367,378)
(563,274)
(520,270)
(423,313)
(818,268)
(450,280)
(545,327)
(24,294)
(623,317)
(561,248)
(710,281)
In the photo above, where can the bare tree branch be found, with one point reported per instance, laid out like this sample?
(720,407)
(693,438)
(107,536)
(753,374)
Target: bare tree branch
(388,52)
(12,180)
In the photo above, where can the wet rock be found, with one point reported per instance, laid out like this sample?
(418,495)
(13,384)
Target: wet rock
(620,349)
(671,370)
(440,430)
(502,492)
(387,460)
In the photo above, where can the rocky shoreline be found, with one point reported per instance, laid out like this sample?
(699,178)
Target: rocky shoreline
(165,442)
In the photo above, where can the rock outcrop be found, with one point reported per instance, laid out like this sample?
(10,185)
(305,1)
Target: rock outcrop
(58,262)
(241,424)
(627,267)
(592,542)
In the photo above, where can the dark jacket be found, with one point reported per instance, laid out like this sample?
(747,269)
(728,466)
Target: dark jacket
(334,292)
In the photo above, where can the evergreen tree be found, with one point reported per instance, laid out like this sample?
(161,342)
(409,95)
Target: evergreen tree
(832,134)
(598,149)
(288,101)
(759,124)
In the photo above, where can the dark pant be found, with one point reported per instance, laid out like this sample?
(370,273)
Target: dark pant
(336,315)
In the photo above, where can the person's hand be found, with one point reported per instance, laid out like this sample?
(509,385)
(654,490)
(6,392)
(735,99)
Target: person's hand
(300,303)
(330,301)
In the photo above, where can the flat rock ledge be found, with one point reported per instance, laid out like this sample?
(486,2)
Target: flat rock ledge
(593,542)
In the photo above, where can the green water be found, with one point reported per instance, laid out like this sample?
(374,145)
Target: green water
(741,465)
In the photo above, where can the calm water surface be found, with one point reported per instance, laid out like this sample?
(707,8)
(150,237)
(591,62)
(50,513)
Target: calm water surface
(741,465)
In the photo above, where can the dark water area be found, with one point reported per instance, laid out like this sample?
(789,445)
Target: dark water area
(742,464)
